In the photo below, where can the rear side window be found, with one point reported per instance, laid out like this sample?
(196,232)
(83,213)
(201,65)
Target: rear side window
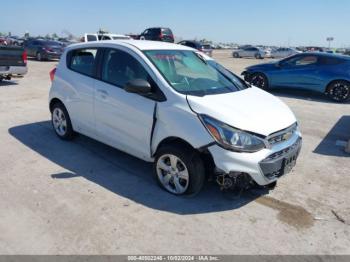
(154,31)
(90,38)
(330,60)
(120,67)
(82,61)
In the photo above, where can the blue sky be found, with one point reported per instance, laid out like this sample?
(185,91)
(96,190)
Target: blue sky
(278,22)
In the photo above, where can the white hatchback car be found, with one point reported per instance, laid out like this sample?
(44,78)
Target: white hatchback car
(169,104)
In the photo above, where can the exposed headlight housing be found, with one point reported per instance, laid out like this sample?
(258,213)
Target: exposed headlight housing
(231,138)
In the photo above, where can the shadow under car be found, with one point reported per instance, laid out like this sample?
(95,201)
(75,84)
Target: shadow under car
(120,173)
(339,132)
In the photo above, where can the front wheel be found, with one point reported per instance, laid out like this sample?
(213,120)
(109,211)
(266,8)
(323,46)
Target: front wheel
(235,55)
(259,80)
(179,170)
(339,91)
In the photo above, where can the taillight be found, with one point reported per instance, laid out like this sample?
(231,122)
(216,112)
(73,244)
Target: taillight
(24,57)
(161,35)
(52,74)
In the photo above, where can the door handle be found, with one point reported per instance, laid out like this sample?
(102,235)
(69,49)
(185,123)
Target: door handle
(103,93)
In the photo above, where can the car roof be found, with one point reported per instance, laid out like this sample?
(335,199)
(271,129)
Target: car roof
(324,54)
(139,44)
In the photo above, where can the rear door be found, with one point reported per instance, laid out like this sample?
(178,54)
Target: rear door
(123,120)
(80,87)
(31,47)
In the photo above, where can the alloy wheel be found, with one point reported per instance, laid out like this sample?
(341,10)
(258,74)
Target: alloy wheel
(258,80)
(340,91)
(59,121)
(172,174)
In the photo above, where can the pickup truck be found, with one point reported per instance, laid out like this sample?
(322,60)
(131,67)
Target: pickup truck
(13,62)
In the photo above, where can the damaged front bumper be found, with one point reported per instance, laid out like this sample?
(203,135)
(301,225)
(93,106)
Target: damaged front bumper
(264,166)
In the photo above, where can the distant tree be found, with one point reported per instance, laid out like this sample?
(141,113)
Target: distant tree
(47,36)
(54,36)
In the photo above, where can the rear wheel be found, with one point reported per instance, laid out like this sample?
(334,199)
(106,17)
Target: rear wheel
(258,56)
(179,169)
(259,80)
(339,91)
(39,56)
(61,122)
(235,55)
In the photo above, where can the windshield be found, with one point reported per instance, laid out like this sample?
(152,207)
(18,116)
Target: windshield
(188,73)
(239,83)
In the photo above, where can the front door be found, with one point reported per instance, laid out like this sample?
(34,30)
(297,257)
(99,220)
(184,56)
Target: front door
(123,120)
(299,71)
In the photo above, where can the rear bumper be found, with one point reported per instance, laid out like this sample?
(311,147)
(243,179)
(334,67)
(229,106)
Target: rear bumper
(264,166)
(13,70)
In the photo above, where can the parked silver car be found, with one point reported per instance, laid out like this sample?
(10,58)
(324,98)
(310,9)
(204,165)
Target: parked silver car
(249,51)
(283,52)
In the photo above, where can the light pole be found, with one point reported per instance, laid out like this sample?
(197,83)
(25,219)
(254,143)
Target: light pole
(329,40)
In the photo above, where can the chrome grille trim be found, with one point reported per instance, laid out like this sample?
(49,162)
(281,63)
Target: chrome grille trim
(283,135)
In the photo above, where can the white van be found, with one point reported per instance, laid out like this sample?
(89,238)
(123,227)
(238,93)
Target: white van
(101,37)
(169,104)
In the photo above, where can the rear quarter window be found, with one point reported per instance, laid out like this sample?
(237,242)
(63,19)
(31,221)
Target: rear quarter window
(330,61)
(82,61)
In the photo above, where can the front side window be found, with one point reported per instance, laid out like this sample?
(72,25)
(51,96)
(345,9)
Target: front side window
(82,61)
(120,67)
(306,60)
(297,61)
(188,73)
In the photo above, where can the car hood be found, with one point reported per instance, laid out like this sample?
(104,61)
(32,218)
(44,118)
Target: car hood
(251,110)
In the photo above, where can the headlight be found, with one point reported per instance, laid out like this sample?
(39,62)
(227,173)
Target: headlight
(231,138)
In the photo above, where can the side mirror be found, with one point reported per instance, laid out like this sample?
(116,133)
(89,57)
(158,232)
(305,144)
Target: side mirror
(138,86)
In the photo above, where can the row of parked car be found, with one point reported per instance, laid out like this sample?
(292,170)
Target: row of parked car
(260,53)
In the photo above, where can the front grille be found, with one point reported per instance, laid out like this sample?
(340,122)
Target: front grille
(274,165)
(282,135)
(282,152)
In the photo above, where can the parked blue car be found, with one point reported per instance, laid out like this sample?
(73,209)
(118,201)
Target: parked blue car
(321,72)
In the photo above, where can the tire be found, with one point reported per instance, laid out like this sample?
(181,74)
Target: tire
(235,55)
(259,80)
(61,122)
(258,56)
(142,38)
(339,91)
(179,169)
(39,56)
